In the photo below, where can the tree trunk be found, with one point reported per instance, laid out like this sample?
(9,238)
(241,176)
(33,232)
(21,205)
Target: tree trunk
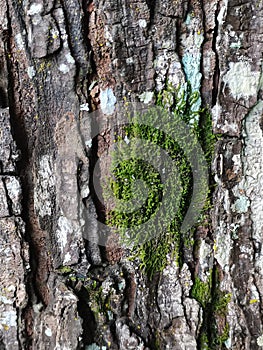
(66,62)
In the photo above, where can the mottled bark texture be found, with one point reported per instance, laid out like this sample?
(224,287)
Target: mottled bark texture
(59,59)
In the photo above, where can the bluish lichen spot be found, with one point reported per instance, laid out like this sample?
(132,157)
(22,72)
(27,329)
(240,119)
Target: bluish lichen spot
(107,101)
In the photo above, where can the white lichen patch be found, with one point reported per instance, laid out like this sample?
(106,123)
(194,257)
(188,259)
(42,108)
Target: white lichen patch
(186,279)
(4,211)
(48,332)
(8,318)
(4,300)
(64,230)
(208,63)
(84,107)
(237,163)
(253,175)
(254,296)
(14,190)
(107,101)
(126,139)
(169,295)
(216,113)
(142,23)
(222,247)
(222,13)
(129,60)
(236,45)
(228,343)
(168,67)
(64,36)
(67,258)
(241,80)
(31,72)
(37,307)
(253,167)
(260,340)
(54,33)
(205,256)
(44,183)
(69,58)
(236,39)
(88,143)
(19,41)
(108,35)
(146,97)
(35,9)
(63,68)
(36,20)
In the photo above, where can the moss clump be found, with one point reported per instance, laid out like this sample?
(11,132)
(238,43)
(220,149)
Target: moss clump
(64,270)
(215,329)
(201,291)
(221,302)
(224,336)
(204,342)
(163,236)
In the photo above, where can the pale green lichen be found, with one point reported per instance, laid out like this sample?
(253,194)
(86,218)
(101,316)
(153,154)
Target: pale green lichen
(241,80)
(107,101)
(146,97)
(94,346)
(191,59)
(241,205)
(236,45)
(191,65)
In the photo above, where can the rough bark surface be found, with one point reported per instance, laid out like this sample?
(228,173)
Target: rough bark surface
(60,60)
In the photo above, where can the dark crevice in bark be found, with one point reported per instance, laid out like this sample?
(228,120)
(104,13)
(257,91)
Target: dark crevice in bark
(78,42)
(24,171)
(168,16)
(49,43)
(152,299)
(3,98)
(208,326)
(178,39)
(91,65)
(114,332)
(2,345)
(89,323)
(93,157)
(260,298)
(9,202)
(214,48)
(151,6)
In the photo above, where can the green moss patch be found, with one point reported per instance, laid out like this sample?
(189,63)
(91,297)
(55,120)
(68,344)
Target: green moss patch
(163,236)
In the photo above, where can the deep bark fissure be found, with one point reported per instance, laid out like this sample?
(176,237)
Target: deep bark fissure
(21,136)
(214,48)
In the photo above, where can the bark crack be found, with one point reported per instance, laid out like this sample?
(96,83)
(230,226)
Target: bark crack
(214,48)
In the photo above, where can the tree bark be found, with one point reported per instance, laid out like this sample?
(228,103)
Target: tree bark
(63,60)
